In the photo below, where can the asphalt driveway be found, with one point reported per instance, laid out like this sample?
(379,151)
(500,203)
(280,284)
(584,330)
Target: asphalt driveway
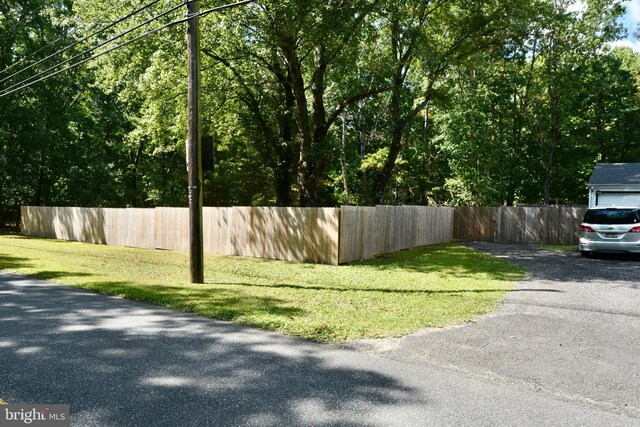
(570,330)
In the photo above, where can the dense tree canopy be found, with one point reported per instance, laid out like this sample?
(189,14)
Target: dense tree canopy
(318,102)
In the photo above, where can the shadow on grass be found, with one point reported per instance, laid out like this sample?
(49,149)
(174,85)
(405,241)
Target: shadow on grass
(9,261)
(12,262)
(18,236)
(384,290)
(217,303)
(450,259)
(52,275)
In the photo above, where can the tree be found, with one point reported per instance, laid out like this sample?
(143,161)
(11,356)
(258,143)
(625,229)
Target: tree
(312,39)
(426,39)
(55,136)
(439,101)
(511,133)
(571,38)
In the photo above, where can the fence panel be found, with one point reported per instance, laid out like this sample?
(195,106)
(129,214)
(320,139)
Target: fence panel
(438,225)
(129,227)
(81,224)
(366,232)
(115,229)
(37,221)
(292,234)
(556,225)
(474,223)
(172,229)
(217,230)
(535,230)
(318,235)
(274,241)
(325,246)
(563,223)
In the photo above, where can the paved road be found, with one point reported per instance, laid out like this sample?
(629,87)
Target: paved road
(122,363)
(571,331)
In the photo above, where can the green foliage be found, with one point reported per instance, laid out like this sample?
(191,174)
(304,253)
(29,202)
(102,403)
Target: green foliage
(58,139)
(529,126)
(443,102)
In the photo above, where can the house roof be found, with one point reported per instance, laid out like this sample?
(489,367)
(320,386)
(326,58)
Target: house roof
(615,173)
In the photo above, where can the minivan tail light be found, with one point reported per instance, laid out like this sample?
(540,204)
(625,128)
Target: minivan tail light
(591,230)
(635,230)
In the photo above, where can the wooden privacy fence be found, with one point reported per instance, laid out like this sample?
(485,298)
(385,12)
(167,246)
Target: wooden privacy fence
(556,225)
(318,235)
(366,232)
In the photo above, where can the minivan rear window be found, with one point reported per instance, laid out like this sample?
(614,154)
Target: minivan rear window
(611,216)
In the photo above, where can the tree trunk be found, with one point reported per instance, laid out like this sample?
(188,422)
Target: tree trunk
(555,134)
(395,114)
(313,125)
(385,174)
(134,197)
(284,175)
(42,186)
(343,162)
(402,60)
(306,179)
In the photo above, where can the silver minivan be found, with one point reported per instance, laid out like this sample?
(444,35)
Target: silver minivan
(610,230)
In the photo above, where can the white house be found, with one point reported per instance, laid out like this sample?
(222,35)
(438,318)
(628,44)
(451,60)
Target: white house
(615,184)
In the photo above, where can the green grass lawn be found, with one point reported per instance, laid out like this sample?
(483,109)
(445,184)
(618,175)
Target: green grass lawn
(389,296)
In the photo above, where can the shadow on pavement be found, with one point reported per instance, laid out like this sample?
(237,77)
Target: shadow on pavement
(117,362)
(566,266)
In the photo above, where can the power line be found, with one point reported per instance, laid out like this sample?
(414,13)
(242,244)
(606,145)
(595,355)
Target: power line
(26,84)
(148,33)
(146,6)
(94,48)
(68,47)
(218,8)
(30,55)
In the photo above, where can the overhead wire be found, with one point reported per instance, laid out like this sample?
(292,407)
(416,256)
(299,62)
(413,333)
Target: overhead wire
(218,8)
(135,12)
(15,64)
(24,84)
(93,27)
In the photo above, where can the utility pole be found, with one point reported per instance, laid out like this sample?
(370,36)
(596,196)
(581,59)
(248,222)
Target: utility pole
(194,152)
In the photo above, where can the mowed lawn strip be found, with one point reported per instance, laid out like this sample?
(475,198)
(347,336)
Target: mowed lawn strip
(391,295)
